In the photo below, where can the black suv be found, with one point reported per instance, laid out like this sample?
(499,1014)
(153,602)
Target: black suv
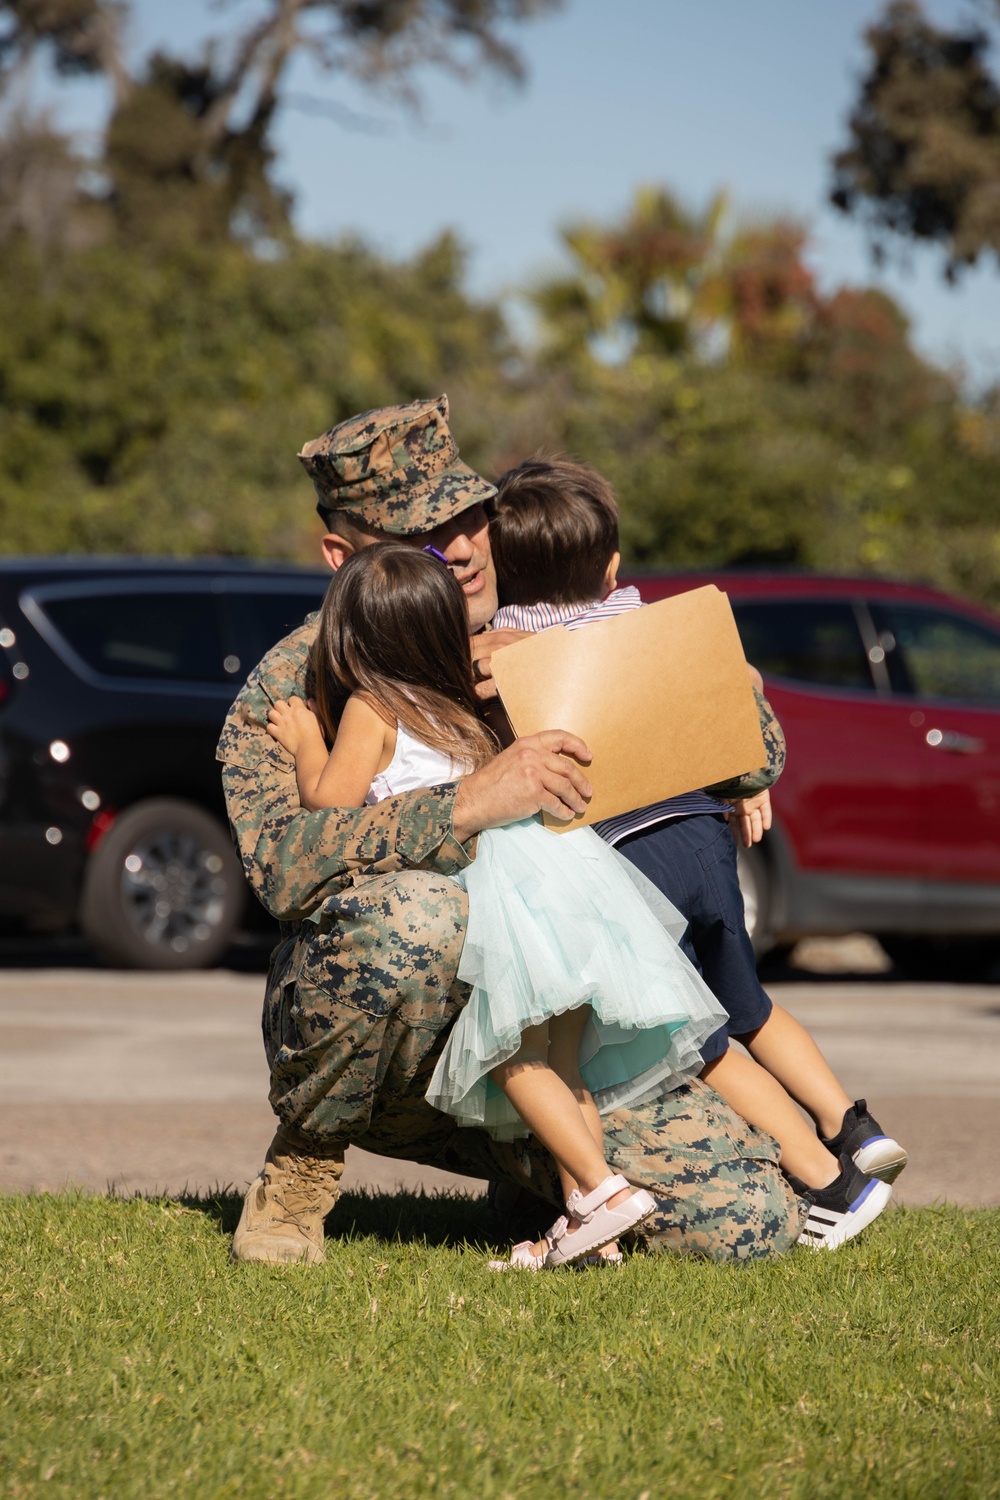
(115,678)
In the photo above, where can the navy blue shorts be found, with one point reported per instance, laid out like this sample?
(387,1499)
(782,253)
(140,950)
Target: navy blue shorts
(693,862)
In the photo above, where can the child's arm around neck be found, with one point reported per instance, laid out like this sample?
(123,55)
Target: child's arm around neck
(341,778)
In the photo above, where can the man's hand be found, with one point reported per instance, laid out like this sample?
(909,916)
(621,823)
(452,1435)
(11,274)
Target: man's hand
(534,775)
(483,646)
(749,817)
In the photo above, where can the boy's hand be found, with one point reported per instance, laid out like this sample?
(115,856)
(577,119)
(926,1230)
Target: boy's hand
(290,723)
(749,817)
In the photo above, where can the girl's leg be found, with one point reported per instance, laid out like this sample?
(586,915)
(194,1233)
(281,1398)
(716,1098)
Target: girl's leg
(784,1047)
(550,1109)
(565,1036)
(759,1098)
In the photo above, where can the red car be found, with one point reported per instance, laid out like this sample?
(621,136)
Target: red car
(887,816)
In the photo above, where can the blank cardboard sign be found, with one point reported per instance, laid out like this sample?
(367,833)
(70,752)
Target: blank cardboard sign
(661,695)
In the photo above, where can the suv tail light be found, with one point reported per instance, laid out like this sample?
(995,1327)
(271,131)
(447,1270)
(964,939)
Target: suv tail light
(99,826)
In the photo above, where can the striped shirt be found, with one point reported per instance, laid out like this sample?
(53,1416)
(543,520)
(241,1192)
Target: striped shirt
(535,617)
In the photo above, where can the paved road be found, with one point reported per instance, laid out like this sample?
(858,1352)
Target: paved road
(157,1082)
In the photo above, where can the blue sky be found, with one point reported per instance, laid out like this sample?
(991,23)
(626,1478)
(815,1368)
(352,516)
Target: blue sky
(749,95)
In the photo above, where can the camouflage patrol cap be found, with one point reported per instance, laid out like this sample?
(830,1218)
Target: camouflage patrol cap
(396,468)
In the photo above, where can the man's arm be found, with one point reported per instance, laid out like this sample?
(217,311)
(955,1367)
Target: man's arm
(740,788)
(295,859)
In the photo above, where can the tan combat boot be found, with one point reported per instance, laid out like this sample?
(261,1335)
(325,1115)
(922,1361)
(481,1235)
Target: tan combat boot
(285,1207)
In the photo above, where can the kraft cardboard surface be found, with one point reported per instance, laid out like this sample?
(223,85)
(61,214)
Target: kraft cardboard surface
(661,695)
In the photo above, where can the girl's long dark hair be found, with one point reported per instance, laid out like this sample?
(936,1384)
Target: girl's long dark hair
(394,628)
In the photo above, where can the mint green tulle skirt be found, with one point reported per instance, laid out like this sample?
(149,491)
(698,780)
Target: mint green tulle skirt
(558,921)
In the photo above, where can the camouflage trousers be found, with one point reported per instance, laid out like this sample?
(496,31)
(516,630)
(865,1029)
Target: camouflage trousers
(358,1007)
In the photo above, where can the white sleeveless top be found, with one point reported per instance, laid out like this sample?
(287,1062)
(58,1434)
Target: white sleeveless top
(413,765)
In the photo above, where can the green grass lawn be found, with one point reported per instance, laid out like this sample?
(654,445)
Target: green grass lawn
(137,1361)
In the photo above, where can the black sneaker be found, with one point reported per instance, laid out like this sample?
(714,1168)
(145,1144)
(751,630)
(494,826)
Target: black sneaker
(862,1138)
(838,1212)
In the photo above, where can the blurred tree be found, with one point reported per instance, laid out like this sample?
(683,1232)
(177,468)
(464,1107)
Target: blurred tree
(39,184)
(169,342)
(761,293)
(924,155)
(669,280)
(762,421)
(632,287)
(187,147)
(157,406)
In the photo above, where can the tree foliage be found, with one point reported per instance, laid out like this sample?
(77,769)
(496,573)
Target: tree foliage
(157,406)
(761,420)
(637,281)
(923,160)
(170,342)
(187,150)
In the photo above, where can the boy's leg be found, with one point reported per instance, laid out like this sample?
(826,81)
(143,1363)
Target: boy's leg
(761,1099)
(693,862)
(784,1047)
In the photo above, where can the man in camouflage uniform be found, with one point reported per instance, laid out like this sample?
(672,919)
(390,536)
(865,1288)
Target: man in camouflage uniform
(362,987)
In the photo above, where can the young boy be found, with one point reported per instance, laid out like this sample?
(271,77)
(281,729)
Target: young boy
(554,537)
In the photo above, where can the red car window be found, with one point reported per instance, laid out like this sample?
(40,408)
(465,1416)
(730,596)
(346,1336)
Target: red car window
(932,653)
(805,640)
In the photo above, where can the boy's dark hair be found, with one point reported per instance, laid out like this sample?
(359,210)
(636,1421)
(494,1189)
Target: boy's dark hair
(553,531)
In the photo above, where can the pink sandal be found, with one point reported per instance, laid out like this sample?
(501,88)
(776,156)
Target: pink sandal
(522,1258)
(599,1224)
(596,1259)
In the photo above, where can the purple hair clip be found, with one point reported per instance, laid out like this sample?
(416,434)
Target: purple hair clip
(439,555)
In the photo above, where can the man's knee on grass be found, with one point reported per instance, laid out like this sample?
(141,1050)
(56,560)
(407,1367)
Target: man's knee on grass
(719,1190)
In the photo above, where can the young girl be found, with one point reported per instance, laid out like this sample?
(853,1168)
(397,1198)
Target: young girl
(581,1000)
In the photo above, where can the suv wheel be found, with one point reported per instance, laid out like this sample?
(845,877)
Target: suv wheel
(163,889)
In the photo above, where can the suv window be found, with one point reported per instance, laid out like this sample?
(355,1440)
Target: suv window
(808,640)
(155,633)
(257,620)
(937,654)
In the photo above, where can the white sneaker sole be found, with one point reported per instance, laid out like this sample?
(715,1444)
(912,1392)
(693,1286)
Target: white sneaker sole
(826,1229)
(881,1157)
